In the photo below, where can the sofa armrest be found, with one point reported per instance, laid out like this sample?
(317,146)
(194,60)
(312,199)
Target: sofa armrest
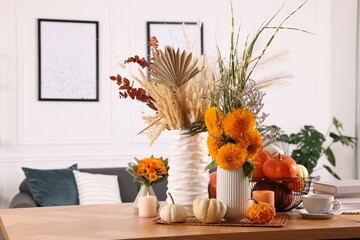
(22,200)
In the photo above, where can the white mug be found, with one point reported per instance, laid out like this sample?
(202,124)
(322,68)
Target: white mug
(320,203)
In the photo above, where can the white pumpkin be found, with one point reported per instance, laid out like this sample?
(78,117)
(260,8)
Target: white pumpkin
(173,212)
(209,210)
(273,149)
(303,172)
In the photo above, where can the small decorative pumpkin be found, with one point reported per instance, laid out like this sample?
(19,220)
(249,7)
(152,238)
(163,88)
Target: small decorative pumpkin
(273,149)
(280,166)
(284,196)
(257,174)
(303,172)
(212,184)
(262,156)
(209,210)
(260,212)
(173,212)
(296,184)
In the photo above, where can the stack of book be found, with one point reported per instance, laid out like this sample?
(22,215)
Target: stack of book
(346,190)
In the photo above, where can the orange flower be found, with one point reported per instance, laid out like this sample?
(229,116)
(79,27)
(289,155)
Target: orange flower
(213,145)
(141,169)
(153,177)
(151,171)
(213,117)
(148,170)
(237,122)
(254,143)
(231,156)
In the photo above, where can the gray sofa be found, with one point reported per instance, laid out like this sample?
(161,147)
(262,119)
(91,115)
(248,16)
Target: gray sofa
(128,188)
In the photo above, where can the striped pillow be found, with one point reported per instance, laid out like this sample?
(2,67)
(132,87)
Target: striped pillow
(97,188)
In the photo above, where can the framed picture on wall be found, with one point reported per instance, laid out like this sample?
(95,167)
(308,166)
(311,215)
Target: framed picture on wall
(183,35)
(68,60)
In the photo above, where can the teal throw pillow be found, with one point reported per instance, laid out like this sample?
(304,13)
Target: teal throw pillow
(53,187)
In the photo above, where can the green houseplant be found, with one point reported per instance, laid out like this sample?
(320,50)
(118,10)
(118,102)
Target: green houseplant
(309,145)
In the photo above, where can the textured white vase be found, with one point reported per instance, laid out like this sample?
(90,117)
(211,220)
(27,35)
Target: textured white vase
(187,178)
(233,189)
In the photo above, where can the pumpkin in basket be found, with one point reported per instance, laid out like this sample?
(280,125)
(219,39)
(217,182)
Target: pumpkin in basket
(280,166)
(283,194)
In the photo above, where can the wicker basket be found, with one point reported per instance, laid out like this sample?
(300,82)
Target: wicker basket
(288,191)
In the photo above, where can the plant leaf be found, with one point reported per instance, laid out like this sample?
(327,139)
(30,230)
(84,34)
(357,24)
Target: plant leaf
(330,156)
(174,68)
(337,124)
(248,168)
(160,180)
(331,172)
(211,165)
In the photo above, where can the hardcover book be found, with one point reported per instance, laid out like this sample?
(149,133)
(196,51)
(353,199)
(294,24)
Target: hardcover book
(338,187)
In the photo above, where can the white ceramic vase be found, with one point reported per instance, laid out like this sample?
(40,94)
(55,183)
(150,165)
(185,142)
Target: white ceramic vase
(233,189)
(187,178)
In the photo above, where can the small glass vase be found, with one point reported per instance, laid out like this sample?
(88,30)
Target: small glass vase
(144,191)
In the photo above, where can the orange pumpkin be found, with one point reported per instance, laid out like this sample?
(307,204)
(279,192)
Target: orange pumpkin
(262,156)
(280,166)
(257,174)
(212,185)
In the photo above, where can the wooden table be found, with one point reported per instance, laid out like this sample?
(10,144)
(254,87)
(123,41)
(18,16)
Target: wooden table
(117,221)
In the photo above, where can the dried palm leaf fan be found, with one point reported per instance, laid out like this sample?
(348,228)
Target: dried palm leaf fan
(174,68)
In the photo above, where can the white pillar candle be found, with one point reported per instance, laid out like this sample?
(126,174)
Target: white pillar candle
(264,196)
(147,206)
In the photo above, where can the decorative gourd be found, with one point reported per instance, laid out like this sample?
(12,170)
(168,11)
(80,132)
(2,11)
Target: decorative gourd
(296,184)
(260,212)
(280,166)
(173,212)
(274,150)
(303,172)
(209,210)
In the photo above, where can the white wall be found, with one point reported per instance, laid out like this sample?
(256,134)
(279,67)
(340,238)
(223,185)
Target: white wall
(103,134)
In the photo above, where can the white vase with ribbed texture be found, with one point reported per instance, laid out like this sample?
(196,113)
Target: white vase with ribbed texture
(187,178)
(233,189)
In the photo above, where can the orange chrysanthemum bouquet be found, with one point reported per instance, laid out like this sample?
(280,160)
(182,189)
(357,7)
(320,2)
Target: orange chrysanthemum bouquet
(232,138)
(235,116)
(149,171)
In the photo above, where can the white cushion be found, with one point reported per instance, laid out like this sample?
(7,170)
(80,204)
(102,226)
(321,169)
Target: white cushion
(97,188)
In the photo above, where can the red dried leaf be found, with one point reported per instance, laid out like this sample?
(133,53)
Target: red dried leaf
(126,82)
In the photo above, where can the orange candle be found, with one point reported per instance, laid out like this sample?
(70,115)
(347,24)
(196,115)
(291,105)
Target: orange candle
(264,196)
(147,206)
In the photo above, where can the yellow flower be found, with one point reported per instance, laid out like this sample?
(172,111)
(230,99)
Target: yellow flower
(213,146)
(237,122)
(254,143)
(213,117)
(153,177)
(231,156)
